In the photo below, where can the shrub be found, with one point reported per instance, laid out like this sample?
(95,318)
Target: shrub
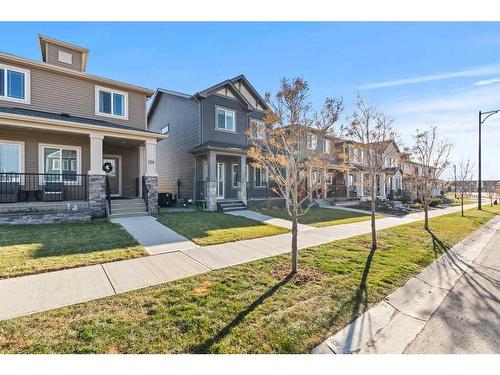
(435,201)
(405,199)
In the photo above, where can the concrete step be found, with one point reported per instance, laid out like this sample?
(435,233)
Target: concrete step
(234,209)
(231,205)
(131,205)
(127,210)
(129,214)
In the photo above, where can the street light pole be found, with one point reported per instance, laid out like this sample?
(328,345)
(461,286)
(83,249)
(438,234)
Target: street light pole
(479,182)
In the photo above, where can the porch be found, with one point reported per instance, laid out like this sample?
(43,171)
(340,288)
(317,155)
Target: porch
(56,170)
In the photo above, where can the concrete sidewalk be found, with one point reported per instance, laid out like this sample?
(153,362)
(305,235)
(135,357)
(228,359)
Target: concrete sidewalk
(268,219)
(154,236)
(29,294)
(391,325)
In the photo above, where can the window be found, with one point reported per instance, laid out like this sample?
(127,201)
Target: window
(61,162)
(111,103)
(14,84)
(225,119)
(326,146)
(311,141)
(260,177)
(165,129)
(11,159)
(65,57)
(258,129)
(235,176)
(329,178)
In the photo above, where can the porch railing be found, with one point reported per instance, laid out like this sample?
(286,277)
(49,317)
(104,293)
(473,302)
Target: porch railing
(201,190)
(108,194)
(336,191)
(42,187)
(263,191)
(145,192)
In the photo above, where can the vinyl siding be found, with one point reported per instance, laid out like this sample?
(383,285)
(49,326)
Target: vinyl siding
(33,138)
(59,93)
(173,157)
(52,57)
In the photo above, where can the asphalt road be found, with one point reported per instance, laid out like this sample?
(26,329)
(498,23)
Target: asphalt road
(468,320)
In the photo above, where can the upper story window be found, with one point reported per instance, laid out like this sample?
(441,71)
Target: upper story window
(258,129)
(65,57)
(14,84)
(225,119)
(326,146)
(312,141)
(111,103)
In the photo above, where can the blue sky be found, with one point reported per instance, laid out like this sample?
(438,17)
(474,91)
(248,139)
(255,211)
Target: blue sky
(420,74)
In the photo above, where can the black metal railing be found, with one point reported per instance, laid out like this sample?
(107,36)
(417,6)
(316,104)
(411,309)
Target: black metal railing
(265,190)
(145,192)
(108,194)
(42,187)
(201,190)
(336,191)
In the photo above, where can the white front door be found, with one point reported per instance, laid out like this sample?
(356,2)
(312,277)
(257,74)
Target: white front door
(220,180)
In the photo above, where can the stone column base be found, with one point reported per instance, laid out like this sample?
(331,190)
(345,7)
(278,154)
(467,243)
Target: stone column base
(152,185)
(242,192)
(97,195)
(211,196)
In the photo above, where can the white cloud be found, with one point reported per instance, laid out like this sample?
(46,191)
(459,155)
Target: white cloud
(473,72)
(486,82)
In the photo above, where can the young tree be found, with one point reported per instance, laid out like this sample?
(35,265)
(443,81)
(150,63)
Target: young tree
(281,149)
(432,153)
(371,133)
(490,192)
(465,176)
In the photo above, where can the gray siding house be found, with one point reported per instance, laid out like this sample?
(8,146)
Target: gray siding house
(204,157)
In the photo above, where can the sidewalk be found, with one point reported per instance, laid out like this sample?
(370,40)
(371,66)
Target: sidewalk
(269,219)
(29,294)
(392,325)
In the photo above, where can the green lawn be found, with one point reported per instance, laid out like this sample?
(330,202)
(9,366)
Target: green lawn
(28,249)
(319,217)
(211,228)
(247,308)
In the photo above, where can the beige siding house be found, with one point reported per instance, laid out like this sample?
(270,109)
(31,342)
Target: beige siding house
(70,141)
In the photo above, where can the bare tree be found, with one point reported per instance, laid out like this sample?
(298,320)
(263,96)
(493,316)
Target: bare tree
(465,176)
(281,148)
(370,132)
(432,153)
(490,192)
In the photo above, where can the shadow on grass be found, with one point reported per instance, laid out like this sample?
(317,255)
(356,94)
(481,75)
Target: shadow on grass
(206,345)
(439,247)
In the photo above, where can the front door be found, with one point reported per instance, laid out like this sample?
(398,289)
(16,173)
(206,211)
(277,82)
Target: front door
(112,167)
(220,180)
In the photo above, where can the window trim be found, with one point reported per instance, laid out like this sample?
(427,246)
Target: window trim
(111,91)
(217,107)
(21,159)
(64,57)
(259,122)
(315,137)
(263,178)
(41,159)
(27,84)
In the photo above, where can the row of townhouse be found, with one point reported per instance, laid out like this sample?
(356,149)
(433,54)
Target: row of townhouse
(75,145)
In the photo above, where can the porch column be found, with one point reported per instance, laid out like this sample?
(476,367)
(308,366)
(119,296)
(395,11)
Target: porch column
(151,176)
(346,179)
(96,178)
(323,184)
(212,183)
(383,185)
(309,182)
(361,184)
(242,184)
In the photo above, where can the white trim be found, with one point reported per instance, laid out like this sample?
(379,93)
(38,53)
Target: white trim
(234,180)
(111,91)
(27,84)
(41,159)
(220,178)
(119,157)
(217,107)
(313,137)
(21,159)
(326,142)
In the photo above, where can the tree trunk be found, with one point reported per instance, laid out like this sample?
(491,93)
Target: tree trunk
(462,200)
(295,251)
(426,214)
(373,205)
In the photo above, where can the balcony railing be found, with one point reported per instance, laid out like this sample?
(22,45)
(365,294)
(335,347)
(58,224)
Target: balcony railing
(264,191)
(42,187)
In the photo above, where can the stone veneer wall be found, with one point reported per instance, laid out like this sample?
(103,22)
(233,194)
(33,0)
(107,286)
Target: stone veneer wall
(211,196)
(97,195)
(46,217)
(152,185)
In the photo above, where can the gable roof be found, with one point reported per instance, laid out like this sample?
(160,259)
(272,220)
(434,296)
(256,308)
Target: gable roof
(253,91)
(227,83)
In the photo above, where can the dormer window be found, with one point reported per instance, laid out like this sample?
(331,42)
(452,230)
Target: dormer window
(312,141)
(111,103)
(65,57)
(14,84)
(225,119)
